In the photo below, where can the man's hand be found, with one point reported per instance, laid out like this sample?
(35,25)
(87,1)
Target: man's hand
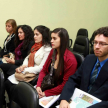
(64,104)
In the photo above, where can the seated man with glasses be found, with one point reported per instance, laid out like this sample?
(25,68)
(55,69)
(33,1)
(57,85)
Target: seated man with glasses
(92,75)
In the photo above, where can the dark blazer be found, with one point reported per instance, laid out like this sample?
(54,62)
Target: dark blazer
(81,80)
(10,47)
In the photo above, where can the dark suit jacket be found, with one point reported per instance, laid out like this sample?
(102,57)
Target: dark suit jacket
(81,80)
(10,47)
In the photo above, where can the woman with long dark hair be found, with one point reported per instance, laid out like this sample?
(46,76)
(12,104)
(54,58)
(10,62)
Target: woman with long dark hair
(23,43)
(64,63)
(34,62)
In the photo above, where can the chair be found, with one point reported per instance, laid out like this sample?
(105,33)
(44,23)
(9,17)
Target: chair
(91,45)
(25,96)
(82,32)
(70,43)
(2,91)
(0,48)
(79,58)
(81,45)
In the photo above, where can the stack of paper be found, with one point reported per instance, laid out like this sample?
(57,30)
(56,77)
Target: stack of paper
(81,99)
(46,102)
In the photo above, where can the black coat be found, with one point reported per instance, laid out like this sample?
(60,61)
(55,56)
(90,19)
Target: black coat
(81,80)
(10,47)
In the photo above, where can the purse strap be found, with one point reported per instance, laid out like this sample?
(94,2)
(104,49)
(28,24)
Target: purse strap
(53,61)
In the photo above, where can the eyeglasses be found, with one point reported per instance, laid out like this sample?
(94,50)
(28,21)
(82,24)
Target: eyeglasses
(100,43)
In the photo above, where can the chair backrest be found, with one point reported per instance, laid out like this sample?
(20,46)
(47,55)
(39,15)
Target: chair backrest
(91,45)
(2,91)
(0,48)
(81,45)
(82,32)
(70,43)
(25,96)
(79,58)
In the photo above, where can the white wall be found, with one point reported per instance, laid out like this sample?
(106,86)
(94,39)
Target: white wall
(70,14)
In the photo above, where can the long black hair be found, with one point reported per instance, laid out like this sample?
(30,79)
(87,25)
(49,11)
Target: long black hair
(45,31)
(64,44)
(28,32)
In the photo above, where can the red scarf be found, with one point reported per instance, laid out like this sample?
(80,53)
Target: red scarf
(34,49)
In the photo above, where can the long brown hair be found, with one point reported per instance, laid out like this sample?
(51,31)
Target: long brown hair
(64,43)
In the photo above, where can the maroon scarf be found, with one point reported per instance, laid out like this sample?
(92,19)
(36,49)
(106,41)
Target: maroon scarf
(18,54)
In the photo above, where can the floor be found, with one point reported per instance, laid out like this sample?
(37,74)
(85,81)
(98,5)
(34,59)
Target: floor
(7,99)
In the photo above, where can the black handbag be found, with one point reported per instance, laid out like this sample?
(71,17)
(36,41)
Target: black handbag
(48,80)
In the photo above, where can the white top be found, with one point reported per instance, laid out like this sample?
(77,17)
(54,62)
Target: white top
(39,60)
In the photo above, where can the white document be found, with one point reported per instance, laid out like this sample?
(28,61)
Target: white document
(81,99)
(12,79)
(46,102)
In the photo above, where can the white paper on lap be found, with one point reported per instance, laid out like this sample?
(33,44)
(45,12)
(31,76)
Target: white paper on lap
(12,79)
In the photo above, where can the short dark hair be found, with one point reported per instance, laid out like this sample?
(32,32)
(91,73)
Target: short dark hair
(102,30)
(29,36)
(45,31)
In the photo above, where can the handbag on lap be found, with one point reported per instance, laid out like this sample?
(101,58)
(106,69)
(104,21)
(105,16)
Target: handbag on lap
(48,80)
(27,77)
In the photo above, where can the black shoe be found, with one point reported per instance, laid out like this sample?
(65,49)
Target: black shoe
(8,105)
(4,102)
(1,74)
(4,106)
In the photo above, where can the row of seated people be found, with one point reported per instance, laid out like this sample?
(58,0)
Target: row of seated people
(80,45)
(63,64)
(43,56)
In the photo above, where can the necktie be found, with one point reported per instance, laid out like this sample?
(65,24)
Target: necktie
(93,77)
